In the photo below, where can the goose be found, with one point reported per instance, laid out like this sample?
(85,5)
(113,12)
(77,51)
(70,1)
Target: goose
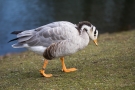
(56,40)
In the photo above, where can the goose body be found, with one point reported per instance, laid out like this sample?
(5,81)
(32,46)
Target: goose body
(57,39)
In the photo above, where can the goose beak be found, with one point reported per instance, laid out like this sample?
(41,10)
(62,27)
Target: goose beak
(95,41)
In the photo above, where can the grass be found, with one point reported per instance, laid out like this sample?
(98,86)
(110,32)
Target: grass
(110,66)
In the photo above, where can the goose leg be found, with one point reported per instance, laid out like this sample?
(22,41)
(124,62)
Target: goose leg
(42,71)
(64,69)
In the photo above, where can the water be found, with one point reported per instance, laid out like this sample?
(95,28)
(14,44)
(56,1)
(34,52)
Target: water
(107,15)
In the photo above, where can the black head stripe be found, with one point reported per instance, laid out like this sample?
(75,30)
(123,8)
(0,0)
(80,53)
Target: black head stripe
(95,32)
(79,26)
(83,23)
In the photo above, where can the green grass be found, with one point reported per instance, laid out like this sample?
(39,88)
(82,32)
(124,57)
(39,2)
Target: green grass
(109,66)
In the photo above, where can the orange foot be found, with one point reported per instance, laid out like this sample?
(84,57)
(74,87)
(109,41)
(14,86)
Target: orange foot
(69,70)
(42,72)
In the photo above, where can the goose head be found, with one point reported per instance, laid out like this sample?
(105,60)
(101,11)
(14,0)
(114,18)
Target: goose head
(89,29)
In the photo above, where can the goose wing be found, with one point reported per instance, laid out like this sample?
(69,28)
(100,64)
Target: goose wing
(47,34)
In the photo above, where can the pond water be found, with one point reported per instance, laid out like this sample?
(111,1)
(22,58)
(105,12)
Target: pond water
(107,15)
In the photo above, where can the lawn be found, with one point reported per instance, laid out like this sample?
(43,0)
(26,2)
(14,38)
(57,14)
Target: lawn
(108,66)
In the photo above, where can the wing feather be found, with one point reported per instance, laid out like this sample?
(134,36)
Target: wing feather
(47,34)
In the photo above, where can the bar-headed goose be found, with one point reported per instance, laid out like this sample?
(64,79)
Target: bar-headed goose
(57,39)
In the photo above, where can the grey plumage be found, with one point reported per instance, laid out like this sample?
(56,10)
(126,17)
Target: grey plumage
(53,40)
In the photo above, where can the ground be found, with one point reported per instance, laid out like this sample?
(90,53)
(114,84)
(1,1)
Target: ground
(108,66)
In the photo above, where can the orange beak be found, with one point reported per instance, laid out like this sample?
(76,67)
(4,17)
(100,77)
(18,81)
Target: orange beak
(95,41)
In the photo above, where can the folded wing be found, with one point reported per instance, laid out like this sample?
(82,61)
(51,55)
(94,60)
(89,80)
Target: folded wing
(46,35)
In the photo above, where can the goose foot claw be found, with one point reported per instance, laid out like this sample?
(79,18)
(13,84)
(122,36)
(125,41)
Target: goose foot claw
(69,70)
(42,72)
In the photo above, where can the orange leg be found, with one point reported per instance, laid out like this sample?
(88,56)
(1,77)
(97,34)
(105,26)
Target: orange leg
(64,69)
(42,71)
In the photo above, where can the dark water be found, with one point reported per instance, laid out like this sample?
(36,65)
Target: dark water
(107,15)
